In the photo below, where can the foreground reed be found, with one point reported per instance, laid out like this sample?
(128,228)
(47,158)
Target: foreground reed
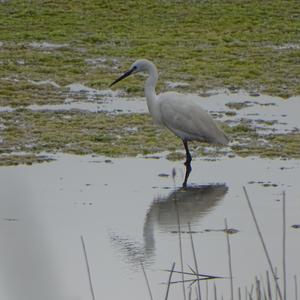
(263,288)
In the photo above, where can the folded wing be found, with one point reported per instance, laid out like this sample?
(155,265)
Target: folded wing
(184,116)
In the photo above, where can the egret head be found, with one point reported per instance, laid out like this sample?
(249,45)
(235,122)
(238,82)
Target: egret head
(140,65)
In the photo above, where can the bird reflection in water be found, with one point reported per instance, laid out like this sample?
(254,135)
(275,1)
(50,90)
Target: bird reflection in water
(193,203)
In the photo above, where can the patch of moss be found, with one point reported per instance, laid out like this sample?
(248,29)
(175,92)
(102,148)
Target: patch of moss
(27,159)
(176,156)
(237,105)
(239,130)
(105,134)
(207,44)
(230,113)
(83,133)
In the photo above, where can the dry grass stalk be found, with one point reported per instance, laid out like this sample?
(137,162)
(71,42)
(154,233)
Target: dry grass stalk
(276,291)
(169,281)
(190,293)
(263,288)
(258,289)
(215,292)
(147,281)
(206,285)
(269,286)
(296,287)
(180,249)
(284,245)
(263,243)
(87,267)
(229,260)
(193,272)
(195,261)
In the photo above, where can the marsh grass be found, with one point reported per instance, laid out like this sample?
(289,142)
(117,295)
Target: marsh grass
(105,134)
(207,44)
(218,43)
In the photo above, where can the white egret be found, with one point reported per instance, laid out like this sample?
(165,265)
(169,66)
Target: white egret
(181,114)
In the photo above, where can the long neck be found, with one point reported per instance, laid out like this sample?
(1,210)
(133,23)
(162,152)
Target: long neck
(149,88)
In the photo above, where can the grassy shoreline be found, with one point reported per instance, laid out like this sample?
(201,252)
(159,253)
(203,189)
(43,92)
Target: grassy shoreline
(121,135)
(252,45)
(249,45)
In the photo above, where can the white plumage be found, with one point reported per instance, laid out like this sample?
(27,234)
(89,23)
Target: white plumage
(180,113)
(185,118)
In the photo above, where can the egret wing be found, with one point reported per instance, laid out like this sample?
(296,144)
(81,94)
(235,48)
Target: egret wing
(184,116)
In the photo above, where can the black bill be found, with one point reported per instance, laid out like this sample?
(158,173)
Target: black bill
(126,74)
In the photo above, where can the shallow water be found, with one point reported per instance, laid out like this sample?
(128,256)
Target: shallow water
(125,211)
(117,106)
(281,113)
(266,114)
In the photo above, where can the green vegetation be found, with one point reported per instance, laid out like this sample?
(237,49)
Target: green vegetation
(237,44)
(117,135)
(209,44)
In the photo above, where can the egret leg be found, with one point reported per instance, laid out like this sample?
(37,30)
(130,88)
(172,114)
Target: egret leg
(187,163)
(188,154)
(188,170)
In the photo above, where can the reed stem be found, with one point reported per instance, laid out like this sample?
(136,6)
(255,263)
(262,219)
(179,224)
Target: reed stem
(284,245)
(263,243)
(229,260)
(87,267)
(147,281)
(169,281)
(195,260)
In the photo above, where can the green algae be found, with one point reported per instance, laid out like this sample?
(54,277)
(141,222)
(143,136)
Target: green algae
(237,105)
(240,44)
(83,133)
(23,159)
(110,135)
(209,44)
